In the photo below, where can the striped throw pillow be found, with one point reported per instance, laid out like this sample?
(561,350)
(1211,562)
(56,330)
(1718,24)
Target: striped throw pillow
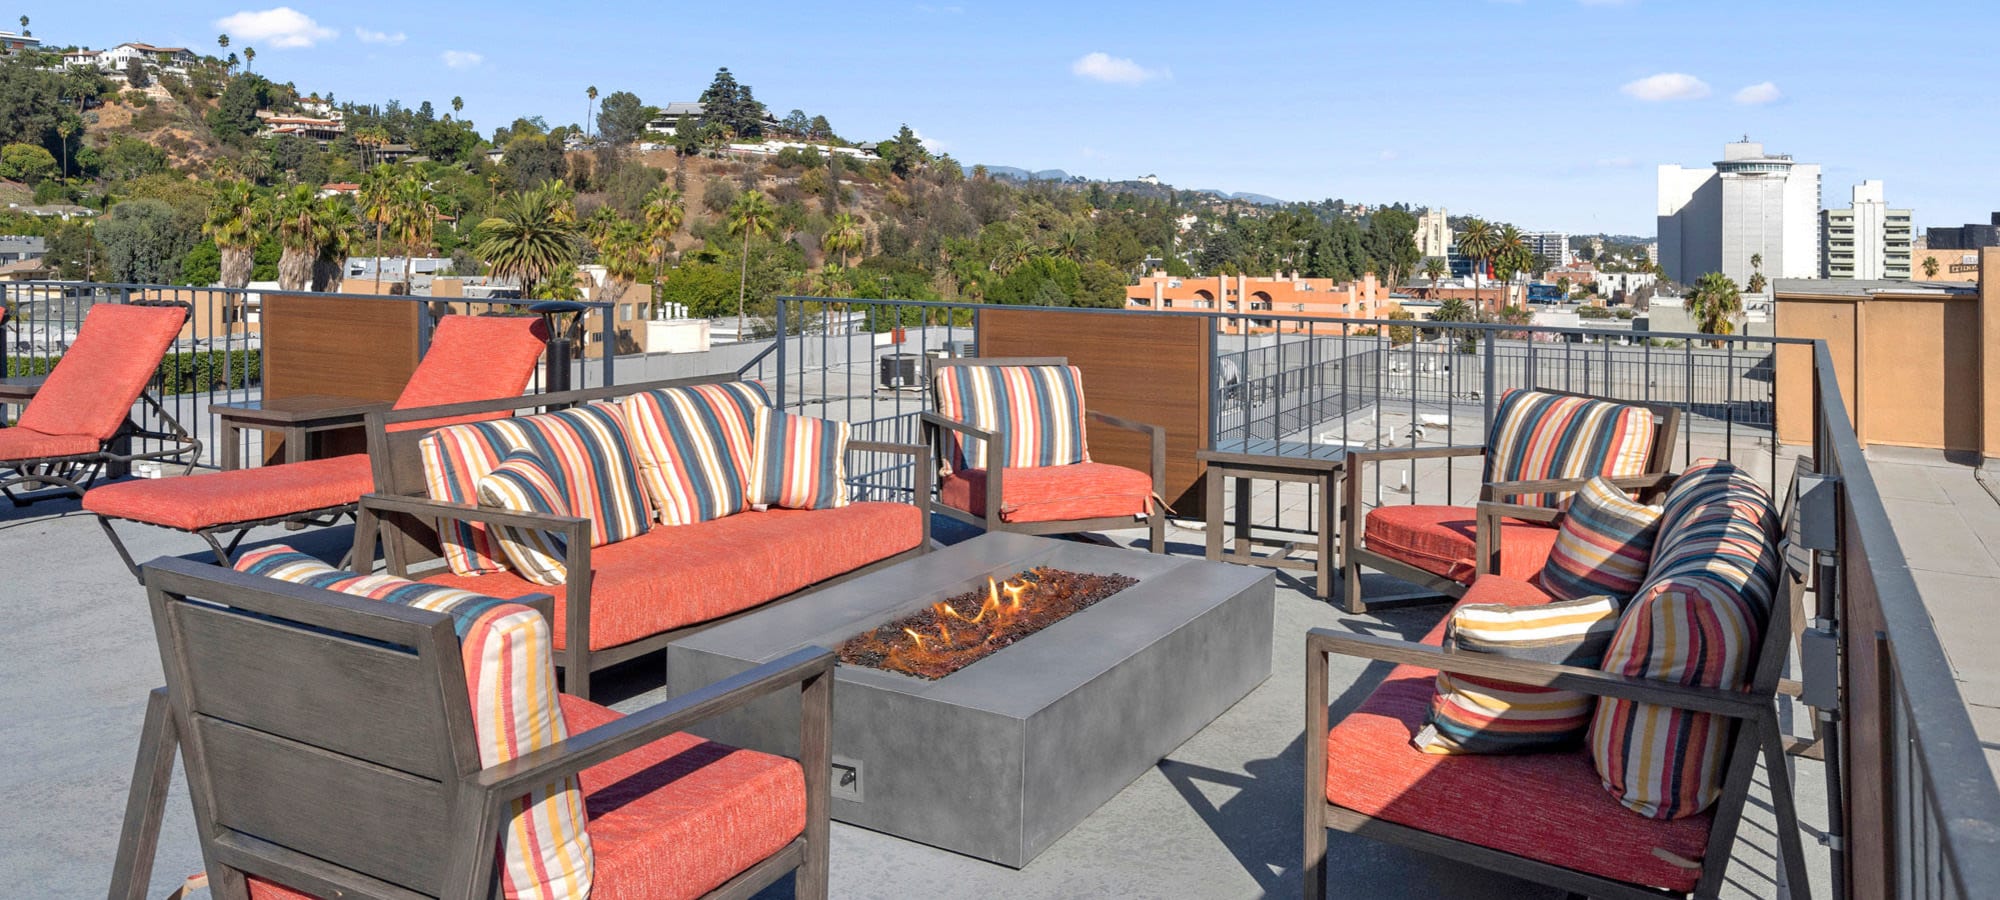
(1697,621)
(1039,407)
(1482,715)
(510,682)
(1538,436)
(586,450)
(800,462)
(1603,545)
(694,445)
(521,483)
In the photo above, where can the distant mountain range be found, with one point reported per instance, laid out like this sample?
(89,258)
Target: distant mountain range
(1018,174)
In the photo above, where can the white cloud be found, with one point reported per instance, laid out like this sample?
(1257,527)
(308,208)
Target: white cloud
(1114,69)
(461,59)
(1388,155)
(932,146)
(379,37)
(1667,86)
(282,27)
(1760,94)
(1615,162)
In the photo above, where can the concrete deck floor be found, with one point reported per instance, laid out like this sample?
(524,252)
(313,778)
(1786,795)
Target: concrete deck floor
(1220,817)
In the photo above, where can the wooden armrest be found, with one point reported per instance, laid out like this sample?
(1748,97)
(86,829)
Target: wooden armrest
(1639,483)
(935,420)
(1494,509)
(581,751)
(1356,457)
(1321,642)
(484,515)
(1125,424)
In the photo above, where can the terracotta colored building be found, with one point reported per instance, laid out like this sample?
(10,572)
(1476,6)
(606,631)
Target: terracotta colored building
(1320,298)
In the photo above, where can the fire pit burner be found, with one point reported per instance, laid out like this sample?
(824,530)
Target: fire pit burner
(963,629)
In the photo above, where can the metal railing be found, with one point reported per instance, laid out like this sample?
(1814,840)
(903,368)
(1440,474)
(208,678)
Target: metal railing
(218,357)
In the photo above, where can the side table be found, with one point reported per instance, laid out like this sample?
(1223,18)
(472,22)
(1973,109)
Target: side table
(295,418)
(1279,461)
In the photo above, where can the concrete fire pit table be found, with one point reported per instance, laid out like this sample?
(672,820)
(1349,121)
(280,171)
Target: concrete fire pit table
(1004,756)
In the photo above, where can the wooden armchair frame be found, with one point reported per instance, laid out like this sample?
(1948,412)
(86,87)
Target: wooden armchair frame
(395,758)
(401,519)
(935,425)
(1354,543)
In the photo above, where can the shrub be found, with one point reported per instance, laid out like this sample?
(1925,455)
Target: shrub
(181,372)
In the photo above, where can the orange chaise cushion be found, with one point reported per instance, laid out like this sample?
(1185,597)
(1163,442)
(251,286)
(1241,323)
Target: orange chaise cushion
(21,442)
(116,354)
(1441,540)
(674,819)
(683,574)
(1053,493)
(473,358)
(194,502)
(1548,806)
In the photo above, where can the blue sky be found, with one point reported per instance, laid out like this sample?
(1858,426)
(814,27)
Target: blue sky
(1551,114)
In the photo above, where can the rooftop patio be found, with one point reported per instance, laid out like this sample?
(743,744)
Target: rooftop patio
(1219,816)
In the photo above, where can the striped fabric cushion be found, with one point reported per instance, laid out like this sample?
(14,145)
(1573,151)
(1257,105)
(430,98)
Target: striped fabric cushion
(588,454)
(800,462)
(522,483)
(1039,407)
(1482,715)
(1538,436)
(511,683)
(1602,546)
(1697,621)
(694,445)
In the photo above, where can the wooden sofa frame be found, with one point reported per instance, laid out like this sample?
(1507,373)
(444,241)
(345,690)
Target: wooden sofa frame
(400,517)
(394,749)
(935,425)
(1354,552)
(1755,711)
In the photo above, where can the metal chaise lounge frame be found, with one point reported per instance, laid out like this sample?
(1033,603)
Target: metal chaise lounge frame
(935,425)
(1354,554)
(401,673)
(402,520)
(76,472)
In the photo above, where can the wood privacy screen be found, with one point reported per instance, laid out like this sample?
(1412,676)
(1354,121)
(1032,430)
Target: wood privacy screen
(319,344)
(1152,368)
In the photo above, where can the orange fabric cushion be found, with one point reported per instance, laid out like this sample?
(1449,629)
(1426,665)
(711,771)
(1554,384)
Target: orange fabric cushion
(473,358)
(116,354)
(1053,493)
(673,819)
(1442,540)
(22,442)
(1544,806)
(194,502)
(684,574)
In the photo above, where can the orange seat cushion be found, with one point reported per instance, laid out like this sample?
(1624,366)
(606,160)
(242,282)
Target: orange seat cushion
(1550,807)
(473,358)
(673,819)
(681,575)
(1442,540)
(116,353)
(194,502)
(20,442)
(1053,493)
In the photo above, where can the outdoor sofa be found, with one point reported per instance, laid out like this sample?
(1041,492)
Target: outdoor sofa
(701,556)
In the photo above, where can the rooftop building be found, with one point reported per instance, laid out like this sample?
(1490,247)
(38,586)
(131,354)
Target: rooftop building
(1363,298)
(1750,204)
(1868,240)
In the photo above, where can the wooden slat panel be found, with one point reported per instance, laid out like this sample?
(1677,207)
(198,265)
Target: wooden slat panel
(376,821)
(341,346)
(1151,368)
(376,703)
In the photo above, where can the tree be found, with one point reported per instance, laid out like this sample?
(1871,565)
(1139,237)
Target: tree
(1477,241)
(457,105)
(296,214)
(235,114)
(1435,269)
(589,109)
(376,198)
(820,129)
(1714,304)
(845,237)
(1401,334)
(622,119)
(1930,266)
(663,212)
(796,124)
(232,225)
(26,162)
(64,129)
(533,160)
(1510,257)
(141,244)
(529,237)
(622,250)
(337,230)
(222,40)
(750,216)
(135,74)
(905,152)
(722,103)
(414,221)
(249,58)
(1392,244)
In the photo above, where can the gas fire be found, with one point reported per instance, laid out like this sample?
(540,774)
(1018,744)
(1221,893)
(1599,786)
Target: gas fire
(961,630)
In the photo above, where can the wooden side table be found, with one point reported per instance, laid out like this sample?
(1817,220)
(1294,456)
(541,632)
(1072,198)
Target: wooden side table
(1288,461)
(294,418)
(20,389)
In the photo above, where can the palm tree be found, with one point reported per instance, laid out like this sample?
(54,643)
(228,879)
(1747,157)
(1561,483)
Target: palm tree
(414,221)
(295,214)
(457,105)
(750,216)
(1930,267)
(623,251)
(1714,304)
(338,230)
(249,58)
(1435,269)
(222,40)
(232,225)
(1756,284)
(64,129)
(1510,255)
(1477,242)
(846,237)
(589,109)
(528,237)
(1070,243)
(376,197)
(664,211)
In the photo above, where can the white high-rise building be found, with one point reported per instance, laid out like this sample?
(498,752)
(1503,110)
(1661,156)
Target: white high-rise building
(1749,204)
(1867,240)
(1550,245)
(1434,232)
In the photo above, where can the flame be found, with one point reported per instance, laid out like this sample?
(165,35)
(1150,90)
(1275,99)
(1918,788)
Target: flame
(915,638)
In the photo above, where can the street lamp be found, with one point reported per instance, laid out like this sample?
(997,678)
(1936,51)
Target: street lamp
(564,319)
